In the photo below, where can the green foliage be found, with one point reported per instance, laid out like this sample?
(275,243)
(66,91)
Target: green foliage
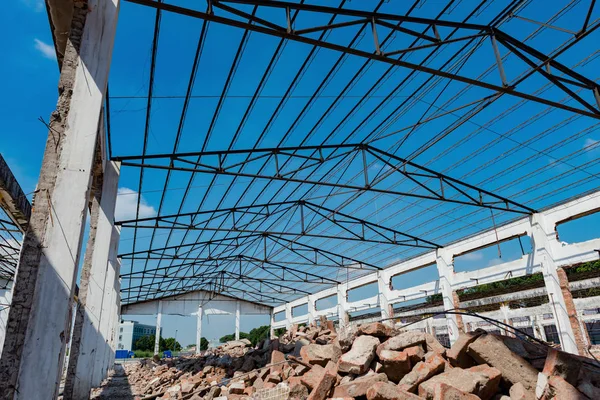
(258,334)
(203,344)
(434,298)
(584,270)
(279,331)
(143,354)
(254,336)
(231,336)
(590,292)
(146,343)
(506,286)
(169,344)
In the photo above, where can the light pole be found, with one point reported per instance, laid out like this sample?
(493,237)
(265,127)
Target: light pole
(175,341)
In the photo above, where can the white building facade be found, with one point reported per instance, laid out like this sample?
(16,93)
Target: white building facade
(130,332)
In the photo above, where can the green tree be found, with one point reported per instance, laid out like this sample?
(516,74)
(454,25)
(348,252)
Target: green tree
(231,336)
(203,344)
(169,344)
(145,343)
(279,331)
(258,334)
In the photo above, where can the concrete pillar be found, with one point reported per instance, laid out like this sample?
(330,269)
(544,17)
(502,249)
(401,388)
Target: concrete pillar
(5,300)
(539,331)
(199,329)
(237,319)
(504,309)
(86,353)
(158,321)
(40,316)
(429,326)
(272,327)
(288,316)
(342,297)
(445,269)
(312,316)
(108,307)
(383,283)
(116,311)
(546,249)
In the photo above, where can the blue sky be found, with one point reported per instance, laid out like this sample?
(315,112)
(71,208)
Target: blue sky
(31,76)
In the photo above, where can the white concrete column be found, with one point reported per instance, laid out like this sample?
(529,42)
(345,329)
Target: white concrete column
(505,310)
(445,269)
(342,297)
(539,329)
(546,249)
(40,316)
(288,316)
(199,329)
(237,319)
(312,316)
(117,312)
(272,327)
(158,322)
(90,330)
(429,326)
(5,300)
(383,283)
(108,307)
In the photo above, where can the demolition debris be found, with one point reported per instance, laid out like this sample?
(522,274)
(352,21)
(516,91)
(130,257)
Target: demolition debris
(373,362)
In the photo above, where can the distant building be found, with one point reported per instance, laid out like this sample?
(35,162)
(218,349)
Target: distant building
(130,332)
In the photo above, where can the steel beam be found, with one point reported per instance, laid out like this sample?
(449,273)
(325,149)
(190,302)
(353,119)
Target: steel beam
(279,28)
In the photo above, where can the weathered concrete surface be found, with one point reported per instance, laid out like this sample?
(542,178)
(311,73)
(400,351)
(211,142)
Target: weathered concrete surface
(60,15)
(92,319)
(12,198)
(514,368)
(39,318)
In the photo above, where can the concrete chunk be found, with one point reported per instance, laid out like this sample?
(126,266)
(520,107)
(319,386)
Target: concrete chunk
(317,354)
(389,391)
(518,392)
(324,385)
(421,372)
(359,386)
(358,359)
(376,329)
(403,340)
(562,364)
(488,349)
(457,354)
(482,382)
(442,391)
(559,389)
(396,364)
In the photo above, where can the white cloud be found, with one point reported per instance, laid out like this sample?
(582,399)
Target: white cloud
(127,205)
(47,50)
(590,144)
(35,5)
(472,257)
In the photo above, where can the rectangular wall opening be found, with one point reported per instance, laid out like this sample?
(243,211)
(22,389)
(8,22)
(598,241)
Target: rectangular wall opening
(415,277)
(363,292)
(302,309)
(280,316)
(493,254)
(326,302)
(367,315)
(579,229)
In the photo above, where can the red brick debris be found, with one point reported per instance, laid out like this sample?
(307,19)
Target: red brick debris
(373,362)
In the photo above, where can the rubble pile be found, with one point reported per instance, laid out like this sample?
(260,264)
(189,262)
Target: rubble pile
(375,362)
